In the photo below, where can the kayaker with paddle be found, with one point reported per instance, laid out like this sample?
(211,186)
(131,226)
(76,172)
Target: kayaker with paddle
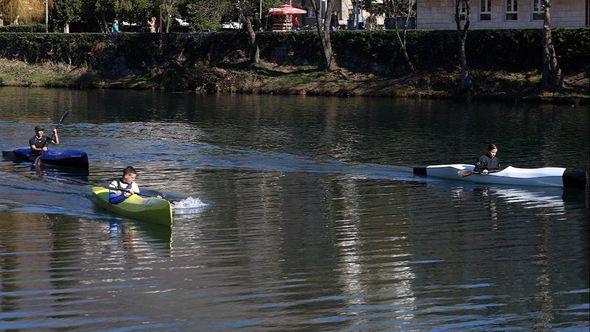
(39,142)
(488,162)
(124,187)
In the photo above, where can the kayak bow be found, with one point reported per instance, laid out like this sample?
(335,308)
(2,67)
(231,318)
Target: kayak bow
(545,176)
(153,209)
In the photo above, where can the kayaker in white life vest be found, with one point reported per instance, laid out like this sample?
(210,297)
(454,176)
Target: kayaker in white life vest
(124,187)
(488,162)
(38,143)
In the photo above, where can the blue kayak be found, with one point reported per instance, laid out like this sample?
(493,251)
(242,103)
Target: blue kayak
(66,158)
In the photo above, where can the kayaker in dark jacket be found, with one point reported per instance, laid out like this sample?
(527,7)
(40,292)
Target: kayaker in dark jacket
(488,162)
(38,143)
(122,188)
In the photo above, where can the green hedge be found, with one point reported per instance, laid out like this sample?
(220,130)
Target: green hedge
(35,27)
(486,49)
(376,51)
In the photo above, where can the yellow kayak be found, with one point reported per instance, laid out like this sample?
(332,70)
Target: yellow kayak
(154,210)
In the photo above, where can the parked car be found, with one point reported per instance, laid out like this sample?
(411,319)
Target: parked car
(181,22)
(231,25)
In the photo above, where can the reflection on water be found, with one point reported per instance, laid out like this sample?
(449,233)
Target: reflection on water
(550,198)
(292,213)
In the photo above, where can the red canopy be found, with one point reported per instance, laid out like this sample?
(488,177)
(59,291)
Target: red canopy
(286,10)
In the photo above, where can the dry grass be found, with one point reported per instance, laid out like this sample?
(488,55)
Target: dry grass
(14,72)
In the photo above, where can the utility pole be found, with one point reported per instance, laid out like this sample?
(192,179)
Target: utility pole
(161,19)
(46,16)
(260,11)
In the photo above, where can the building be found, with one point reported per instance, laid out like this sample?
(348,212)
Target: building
(349,13)
(502,14)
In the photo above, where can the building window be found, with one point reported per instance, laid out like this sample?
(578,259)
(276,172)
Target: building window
(485,10)
(538,12)
(511,10)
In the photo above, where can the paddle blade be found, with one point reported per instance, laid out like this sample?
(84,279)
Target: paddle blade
(464,173)
(61,120)
(63,117)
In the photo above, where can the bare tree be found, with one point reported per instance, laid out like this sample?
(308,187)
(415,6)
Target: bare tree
(245,13)
(552,78)
(462,13)
(401,8)
(324,32)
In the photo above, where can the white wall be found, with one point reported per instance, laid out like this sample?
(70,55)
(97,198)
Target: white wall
(440,15)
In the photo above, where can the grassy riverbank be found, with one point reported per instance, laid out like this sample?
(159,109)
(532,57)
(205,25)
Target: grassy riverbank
(268,78)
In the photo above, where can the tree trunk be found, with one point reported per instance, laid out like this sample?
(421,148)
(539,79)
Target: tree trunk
(328,54)
(101,23)
(465,78)
(254,49)
(552,78)
(466,83)
(324,34)
(403,41)
(407,58)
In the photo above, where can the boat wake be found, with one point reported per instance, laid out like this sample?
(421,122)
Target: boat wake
(189,205)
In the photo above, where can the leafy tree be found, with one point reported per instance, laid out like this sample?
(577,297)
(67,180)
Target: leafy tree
(103,12)
(136,11)
(100,11)
(169,11)
(65,12)
(204,14)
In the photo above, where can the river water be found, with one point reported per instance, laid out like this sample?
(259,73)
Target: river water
(298,214)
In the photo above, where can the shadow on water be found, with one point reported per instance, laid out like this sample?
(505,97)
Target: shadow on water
(134,229)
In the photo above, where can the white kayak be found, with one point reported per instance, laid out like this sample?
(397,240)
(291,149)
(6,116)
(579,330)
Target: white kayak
(545,176)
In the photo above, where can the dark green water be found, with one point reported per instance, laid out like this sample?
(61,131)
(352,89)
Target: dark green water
(307,220)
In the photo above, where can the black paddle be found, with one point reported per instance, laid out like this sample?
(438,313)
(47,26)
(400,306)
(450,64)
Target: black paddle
(61,121)
(465,172)
(162,196)
(159,195)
